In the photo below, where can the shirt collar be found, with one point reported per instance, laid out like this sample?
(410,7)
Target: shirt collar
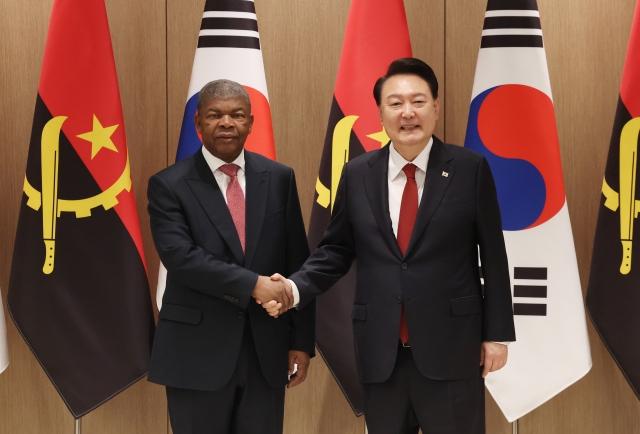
(397,161)
(215,163)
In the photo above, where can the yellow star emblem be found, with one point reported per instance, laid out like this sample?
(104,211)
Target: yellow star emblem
(381,137)
(100,137)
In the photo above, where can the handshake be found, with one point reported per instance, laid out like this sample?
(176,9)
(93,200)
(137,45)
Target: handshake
(274,294)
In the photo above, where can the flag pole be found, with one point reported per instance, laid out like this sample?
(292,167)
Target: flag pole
(79,425)
(515,426)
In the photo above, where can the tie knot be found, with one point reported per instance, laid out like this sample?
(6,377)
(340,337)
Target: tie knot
(410,170)
(230,169)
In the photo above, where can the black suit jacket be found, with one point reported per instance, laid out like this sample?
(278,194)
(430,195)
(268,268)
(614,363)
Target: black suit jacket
(448,316)
(210,280)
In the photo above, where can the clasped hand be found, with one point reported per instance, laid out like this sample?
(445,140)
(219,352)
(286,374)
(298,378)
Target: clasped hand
(274,294)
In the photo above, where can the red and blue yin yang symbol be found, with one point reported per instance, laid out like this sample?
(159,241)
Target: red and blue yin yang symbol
(514,127)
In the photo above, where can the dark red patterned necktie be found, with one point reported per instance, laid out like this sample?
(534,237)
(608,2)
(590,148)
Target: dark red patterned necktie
(235,200)
(408,213)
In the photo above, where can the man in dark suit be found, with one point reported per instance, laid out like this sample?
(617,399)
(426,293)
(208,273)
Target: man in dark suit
(223,360)
(413,215)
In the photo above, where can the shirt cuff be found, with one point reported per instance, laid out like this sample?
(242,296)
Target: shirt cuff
(296,293)
(501,343)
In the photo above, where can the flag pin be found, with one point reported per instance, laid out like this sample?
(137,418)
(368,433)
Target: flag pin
(445,174)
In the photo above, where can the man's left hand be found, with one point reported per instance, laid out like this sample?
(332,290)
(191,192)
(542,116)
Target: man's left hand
(302,359)
(493,356)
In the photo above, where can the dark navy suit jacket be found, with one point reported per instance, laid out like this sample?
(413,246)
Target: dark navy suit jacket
(210,280)
(448,312)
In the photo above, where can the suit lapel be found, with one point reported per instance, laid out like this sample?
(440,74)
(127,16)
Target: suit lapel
(206,190)
(435,185)
(377,188)
(256,203)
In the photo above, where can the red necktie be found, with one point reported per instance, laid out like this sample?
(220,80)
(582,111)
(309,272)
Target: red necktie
(408,213)
(235,200)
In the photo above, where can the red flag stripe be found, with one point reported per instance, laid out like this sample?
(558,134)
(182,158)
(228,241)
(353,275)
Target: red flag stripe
(629,85)
(376,35)
(79,80)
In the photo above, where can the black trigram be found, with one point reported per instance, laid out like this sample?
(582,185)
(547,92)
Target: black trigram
(530,291)
(512,23)
(229,24)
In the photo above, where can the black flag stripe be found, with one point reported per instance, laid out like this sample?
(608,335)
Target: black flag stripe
(518,5)
(74,316)
(230,6)
(529,309)
(530,291)
(611,296)
(228,42)
(498,41)
(229,24)
(512,23)
(530,273)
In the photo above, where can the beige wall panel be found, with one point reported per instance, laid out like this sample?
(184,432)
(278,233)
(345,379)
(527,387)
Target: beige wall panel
(585,43)
(426,19)
(183,24)
(302,41)
(28,401)
(462,40)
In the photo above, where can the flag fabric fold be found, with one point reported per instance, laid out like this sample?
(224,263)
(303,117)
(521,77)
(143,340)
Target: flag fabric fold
(353,129)
(4,348)
(78,290)
(512,123)
(229,48)
(612,295)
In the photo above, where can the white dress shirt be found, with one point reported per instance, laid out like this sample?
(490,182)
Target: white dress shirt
(222,179)
(397,179)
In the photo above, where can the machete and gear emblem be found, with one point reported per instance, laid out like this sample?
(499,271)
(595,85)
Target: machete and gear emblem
(48,199)
(340,156)
(625,199)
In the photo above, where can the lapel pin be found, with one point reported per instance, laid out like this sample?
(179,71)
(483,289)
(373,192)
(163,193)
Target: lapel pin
(445,174)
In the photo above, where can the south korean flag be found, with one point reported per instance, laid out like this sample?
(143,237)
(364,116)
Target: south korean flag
(512,123)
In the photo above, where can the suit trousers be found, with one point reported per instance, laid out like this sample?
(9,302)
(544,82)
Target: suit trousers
(409,401)
(247,404)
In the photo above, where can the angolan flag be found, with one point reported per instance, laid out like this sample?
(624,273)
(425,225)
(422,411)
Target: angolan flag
(354,128)
(228,47)
(78,290)
(613,297)
(512,123)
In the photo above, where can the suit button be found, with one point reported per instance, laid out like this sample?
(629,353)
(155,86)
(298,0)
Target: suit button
(404,266)
(399,300)
(240,315)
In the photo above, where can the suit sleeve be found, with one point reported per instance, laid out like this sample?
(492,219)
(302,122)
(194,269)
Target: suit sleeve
(190,264)
(334,255)
(498,314)
(302,322)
